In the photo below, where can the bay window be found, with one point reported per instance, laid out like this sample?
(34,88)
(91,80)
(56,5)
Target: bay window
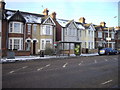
(15,43)
(46,30)
(45,43)
(16,27)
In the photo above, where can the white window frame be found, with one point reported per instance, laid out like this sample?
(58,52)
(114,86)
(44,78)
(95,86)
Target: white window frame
(13,40)
(45,29)
(13,28)
(99,34)
(29,29)
(0,25)
(44,44)
(112,35)
(0,43)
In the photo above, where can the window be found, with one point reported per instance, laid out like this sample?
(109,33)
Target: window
(112,35)
(80,33)
(0,43)
(0,25)
(10,43)
(46,30)
(29,28)
(45,42)
(16,27)
(99,34)
(16,43)
(35,27)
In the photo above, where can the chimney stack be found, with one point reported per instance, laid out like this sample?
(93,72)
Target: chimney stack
(45,12)
(2,4)
(53,15)
(103,24)
(82,20)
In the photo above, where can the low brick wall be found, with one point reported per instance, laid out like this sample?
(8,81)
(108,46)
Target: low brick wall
(67,52)
(84,50)
(22,53)
(92,50)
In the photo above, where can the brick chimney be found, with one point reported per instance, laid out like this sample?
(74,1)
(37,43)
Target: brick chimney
(45,12)
(82,20)
(103,24)
(53,15)
(2,4)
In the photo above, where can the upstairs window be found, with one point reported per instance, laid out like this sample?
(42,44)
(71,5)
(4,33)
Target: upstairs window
(46,30)
(16,27)
(29,28)
(99,34)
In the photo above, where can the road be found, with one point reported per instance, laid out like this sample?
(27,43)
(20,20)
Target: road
(79,72)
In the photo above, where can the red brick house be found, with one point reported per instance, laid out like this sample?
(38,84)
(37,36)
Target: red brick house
(117,38)
(23,32)
(99,37)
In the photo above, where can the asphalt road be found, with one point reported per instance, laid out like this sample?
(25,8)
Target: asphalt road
(79,72)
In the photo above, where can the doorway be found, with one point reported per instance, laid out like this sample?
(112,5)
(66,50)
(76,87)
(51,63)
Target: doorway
(34,47)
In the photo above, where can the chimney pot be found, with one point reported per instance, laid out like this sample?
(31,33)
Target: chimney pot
(45,12)
(82,20)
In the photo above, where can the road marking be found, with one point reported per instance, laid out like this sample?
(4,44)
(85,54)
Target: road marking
(47,65)
(115,58)
(80,63)
(106,60)
(18,69)
(43,67)
(106,82)
(65,65)
(39,69)
(11,71)
(95,61)
(24,67)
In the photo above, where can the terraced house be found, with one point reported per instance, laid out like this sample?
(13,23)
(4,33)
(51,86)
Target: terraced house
(26,33)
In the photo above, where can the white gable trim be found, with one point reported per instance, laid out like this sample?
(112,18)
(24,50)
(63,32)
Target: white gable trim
(73,23)
(91,26)
(51,20)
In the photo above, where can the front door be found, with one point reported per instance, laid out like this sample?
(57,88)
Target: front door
(34,47)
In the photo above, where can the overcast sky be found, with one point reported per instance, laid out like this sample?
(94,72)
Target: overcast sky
(94,11)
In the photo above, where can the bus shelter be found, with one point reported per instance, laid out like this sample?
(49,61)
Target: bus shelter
(61,48)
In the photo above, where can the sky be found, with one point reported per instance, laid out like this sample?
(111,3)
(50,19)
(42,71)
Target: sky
(94,11)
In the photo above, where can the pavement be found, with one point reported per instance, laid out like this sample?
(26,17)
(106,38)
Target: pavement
(76,72)
(27,58)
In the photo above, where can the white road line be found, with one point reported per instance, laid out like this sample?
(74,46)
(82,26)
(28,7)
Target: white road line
(106,82)
(106,60)
(115,59)
(65,65)
(39,69)
(95,61)
(18,69)
(24,67)
(47,65)
(80,63)
(43,67)
(11,71)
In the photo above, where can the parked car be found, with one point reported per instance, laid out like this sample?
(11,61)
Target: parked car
(107,51)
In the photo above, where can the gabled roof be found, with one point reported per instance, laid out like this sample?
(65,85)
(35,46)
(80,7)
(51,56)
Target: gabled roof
(17,17)
(44,19)
(29,17)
